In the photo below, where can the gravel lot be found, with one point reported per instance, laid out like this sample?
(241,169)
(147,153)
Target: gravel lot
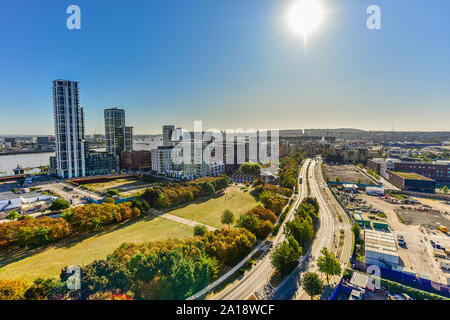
(346,173)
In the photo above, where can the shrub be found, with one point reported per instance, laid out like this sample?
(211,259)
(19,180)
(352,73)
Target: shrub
(200,230)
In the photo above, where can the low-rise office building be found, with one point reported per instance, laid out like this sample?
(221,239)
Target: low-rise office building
(412,182)
(101,163)
(438,171)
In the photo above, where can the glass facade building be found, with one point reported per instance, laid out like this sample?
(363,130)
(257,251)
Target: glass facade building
(69,130)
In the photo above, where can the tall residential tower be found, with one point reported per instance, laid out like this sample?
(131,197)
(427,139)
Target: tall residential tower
(69,130)
(118,137)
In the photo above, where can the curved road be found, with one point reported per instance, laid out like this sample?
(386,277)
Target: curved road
(327,235)
(257,278)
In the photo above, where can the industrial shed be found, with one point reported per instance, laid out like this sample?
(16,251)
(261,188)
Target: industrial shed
(380,248)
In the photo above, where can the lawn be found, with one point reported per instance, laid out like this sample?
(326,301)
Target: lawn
(209,212)
(125,186)
(49,261)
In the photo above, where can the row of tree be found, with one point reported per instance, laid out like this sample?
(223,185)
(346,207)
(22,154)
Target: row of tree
(299,232)
(250,168)
(31,232)
(174,194)
(261,186)
(289,169)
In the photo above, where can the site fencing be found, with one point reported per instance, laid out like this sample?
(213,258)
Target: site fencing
(407,279)
(335,294)
(360,185)
(340,202)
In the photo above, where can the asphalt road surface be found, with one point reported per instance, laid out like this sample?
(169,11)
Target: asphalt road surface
(257,278)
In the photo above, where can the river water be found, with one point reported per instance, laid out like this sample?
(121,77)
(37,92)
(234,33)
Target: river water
(9,163)
(33,160)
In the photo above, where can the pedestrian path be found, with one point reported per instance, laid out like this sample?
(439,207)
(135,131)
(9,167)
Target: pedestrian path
(180,220)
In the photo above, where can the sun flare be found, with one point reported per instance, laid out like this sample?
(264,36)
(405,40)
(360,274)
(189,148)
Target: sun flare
(304,16)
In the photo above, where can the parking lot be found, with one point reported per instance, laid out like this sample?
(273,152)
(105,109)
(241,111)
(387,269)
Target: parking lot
(74,195)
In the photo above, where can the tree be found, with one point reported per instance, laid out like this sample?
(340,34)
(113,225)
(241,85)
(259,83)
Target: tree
(285,256)
(445,189)
(312,284)
(13,289)
(357,231)
(13,215)
(301,229)
(228,218)
(110,200)
(338,179)
(43,289)
(112,192)
(208,188)
(250,168)
(328,264)
(264,229)
(59,205)
(249,222)
(200,230)
(24,236)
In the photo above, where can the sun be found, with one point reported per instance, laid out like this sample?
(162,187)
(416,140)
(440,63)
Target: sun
(304,16)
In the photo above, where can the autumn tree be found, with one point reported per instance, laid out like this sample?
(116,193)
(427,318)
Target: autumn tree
(327,263)
(312,284)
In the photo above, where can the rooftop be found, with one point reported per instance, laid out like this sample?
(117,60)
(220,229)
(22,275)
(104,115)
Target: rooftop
(412,176)
(8,195)
(381,242)
(359,279)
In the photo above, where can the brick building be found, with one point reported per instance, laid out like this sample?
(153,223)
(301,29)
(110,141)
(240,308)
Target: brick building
(136,160)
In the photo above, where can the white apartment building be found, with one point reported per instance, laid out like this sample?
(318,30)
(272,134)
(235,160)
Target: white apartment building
(162,159)
(69,130)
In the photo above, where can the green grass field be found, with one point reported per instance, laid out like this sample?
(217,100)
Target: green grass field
(49,261)
(210,212)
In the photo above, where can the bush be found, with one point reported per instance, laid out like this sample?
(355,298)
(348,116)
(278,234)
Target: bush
(200,230)
(13,215)
(59,205)
(112,192)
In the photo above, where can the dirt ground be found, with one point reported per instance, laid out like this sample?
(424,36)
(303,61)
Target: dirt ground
(419,218)
(417,256)
(346,173)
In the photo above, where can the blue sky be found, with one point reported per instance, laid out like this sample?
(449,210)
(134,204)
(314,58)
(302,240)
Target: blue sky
(230,63)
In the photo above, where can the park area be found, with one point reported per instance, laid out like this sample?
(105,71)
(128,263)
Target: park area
(236,199)
(48,261)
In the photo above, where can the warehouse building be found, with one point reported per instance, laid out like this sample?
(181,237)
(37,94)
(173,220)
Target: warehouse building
(9,201)
(380,248)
